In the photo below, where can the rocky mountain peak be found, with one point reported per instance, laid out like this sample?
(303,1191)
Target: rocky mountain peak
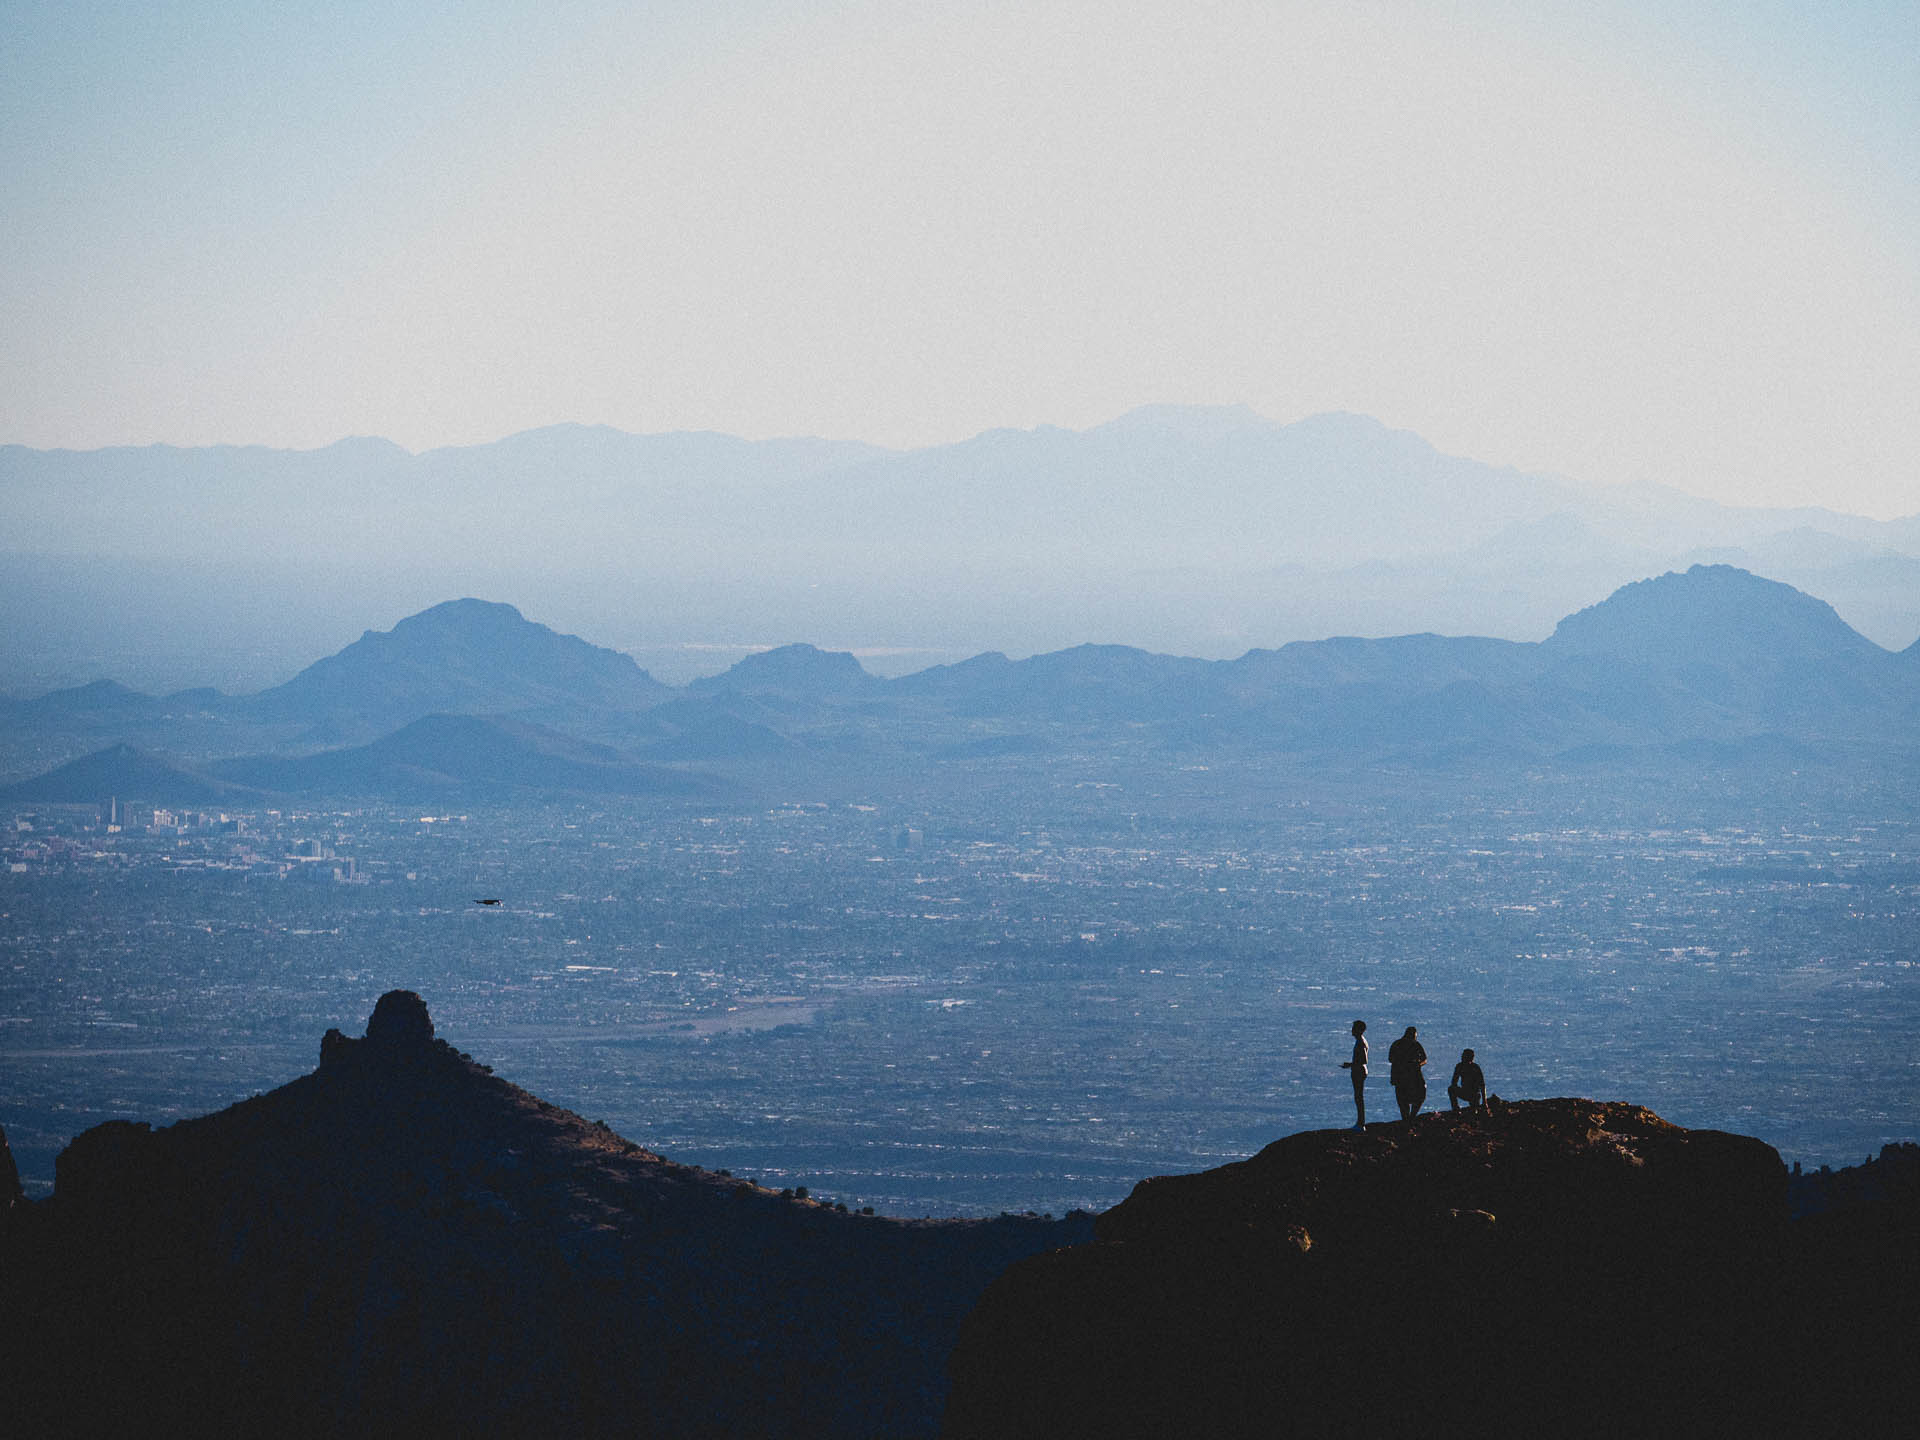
(1711,614)
(400,1021)
(403,1242)
(466,616)
(468,657)
(399,1028)
(798,669)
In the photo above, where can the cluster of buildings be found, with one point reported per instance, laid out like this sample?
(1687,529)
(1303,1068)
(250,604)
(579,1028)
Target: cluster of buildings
(130,816)
(133,833)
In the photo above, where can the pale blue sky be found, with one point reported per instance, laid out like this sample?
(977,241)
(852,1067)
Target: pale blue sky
(1676,241)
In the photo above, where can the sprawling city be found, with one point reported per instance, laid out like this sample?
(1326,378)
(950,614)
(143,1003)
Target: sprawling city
(1022,995)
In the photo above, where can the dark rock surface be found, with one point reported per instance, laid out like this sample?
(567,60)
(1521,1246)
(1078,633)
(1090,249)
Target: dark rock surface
(402,1243)
(11,1195)
(1554,1267)
(1890,1182)
(400,1022)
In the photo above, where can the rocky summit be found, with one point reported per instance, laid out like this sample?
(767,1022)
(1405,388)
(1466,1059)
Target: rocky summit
(1552,1267)
(402,1243)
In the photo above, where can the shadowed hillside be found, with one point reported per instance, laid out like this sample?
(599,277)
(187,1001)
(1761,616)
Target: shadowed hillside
(1554,1267)
(402,1243)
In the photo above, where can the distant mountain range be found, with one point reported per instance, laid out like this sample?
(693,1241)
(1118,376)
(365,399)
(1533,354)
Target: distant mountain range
(1180,485)
(1199,531)
(1711,665)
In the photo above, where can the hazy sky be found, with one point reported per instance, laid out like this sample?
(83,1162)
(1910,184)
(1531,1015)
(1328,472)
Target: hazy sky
(1667,240)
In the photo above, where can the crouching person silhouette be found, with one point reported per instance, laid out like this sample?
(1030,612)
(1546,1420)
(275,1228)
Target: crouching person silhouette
(1468,1083)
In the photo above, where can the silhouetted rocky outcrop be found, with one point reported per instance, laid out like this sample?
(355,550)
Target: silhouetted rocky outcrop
(402,1243)
(1557,1267)
(1887,1185)
(400,1022)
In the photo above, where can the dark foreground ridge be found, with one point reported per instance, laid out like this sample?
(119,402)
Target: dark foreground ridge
(402,1243)
(1552,1267)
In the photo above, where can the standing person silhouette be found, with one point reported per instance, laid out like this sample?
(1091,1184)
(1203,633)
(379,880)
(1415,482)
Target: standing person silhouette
(1404,1059)
(1358,1065)
(1469,1083)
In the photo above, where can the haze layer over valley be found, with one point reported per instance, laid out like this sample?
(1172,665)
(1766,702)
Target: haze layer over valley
(1190,530)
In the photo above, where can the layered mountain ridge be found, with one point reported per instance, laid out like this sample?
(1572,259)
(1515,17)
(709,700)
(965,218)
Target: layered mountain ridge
(472,695)
(1187,529)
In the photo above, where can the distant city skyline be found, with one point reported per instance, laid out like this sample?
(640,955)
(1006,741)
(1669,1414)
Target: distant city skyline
(1615,241)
